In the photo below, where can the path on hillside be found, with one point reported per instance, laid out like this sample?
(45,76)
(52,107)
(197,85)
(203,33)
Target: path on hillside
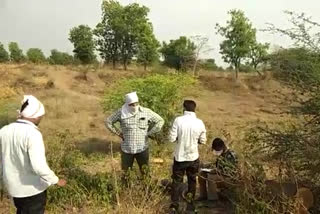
(63,80)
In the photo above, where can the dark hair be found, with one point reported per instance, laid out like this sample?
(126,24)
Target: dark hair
(24,105)
(218,144)
(190,105)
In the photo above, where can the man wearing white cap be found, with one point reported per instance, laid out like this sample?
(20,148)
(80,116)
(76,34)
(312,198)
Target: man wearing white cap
(24,168)
(137,124)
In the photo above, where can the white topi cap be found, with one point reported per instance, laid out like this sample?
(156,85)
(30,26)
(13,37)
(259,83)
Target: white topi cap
(33,107)
(132,98)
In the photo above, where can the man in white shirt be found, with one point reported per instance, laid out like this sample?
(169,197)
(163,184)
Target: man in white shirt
(188,131)
(24,168)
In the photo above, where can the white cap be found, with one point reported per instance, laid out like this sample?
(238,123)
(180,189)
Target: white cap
(132,98)
(34,109)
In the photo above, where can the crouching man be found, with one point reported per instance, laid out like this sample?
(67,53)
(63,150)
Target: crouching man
(211,178)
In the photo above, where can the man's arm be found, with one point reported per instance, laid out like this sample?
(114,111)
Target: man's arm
(173,135)
(203,134)
(157,122)
(38,160)
(110,121)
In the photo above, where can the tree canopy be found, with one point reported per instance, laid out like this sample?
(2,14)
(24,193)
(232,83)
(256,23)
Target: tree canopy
(4,55)
(60,58)
(36,55)
(83,42)
(179,53)
(239,37)
(123,31)
(16,54)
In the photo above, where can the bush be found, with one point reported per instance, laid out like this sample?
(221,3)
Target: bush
(60,58)
(161,93)
(208,64)
(297,67)
(8,112)
(36,55)
(64,159)
(16,54)
(4,55)
(246,68)
(102,190)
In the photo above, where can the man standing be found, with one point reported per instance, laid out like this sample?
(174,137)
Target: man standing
(136,125)
(25,172)
(188,131)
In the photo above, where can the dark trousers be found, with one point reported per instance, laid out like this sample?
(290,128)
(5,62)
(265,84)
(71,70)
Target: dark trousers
(31,205)
(179,169)
(142,159)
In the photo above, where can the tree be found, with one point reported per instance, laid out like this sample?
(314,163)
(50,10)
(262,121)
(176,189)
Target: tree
(121,30)
(36,55)
(82,39)
(239,36)
(60,58)
(202,47)
(208,64)
(4,55)
(258,54)
(108,39)
(148,50)
(304,31)
(16,54)
(179,53)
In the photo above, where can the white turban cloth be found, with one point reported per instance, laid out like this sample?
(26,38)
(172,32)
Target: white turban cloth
(130,98)
(33,109)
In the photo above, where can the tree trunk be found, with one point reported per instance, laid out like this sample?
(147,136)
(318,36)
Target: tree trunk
(258,72)
(145,66)
(255,68)
(195,67)
(114,64)
(125,64)
(237,67)
(237,71)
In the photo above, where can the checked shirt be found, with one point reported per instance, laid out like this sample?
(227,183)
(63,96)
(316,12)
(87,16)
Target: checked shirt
(135,129)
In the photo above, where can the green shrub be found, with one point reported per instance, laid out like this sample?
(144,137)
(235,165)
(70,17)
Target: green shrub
(246,68)
(298,67)
(208,64)
(36,55)
(161,93)
(4,55)
(60,58)
(8,112)
(66,160)
(16,54)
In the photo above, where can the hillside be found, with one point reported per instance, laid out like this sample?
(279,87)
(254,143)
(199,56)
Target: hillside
(72,100)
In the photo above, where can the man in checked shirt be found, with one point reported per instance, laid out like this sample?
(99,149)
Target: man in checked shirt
(137,124)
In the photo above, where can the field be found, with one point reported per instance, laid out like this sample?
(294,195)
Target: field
(77,139)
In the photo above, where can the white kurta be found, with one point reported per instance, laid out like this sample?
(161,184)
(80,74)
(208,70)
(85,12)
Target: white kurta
(24,168)
(188,131)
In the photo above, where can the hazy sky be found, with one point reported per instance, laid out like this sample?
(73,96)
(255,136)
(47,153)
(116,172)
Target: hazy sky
(46,23)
